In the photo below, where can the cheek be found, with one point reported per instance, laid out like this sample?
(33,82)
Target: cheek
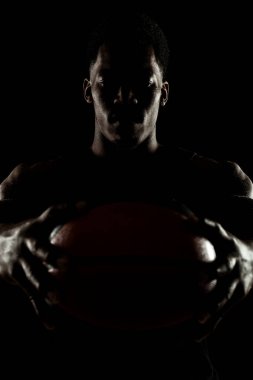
(101,116)
(153,106)
(102,98)
(96,99)
(99,105)
(152,99)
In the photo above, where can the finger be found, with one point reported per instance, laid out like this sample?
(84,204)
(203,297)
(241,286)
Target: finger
(43,309)
(37,235)
(209,229)
(221,304)
(60,214)
(34,277)
(219,268)
(225,265)
(52,257)
(53,217)
(47,314)
(207,322)
(226,294)
(223,242)
(221,293)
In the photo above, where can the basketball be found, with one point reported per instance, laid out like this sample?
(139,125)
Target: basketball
(132,266)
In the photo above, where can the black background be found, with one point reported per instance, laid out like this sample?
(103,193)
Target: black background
(209,109)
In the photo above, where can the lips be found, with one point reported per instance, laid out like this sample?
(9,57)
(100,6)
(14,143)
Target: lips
(125,116)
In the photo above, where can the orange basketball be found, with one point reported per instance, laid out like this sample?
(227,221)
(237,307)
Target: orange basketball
(133,265)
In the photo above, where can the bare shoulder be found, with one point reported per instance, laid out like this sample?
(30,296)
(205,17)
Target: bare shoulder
(229,174)
(25,175)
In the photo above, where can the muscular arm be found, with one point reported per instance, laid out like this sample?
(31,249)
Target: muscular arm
(27,258)
(225,207)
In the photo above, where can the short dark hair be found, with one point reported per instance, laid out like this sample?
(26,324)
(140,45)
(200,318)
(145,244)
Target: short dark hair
(134,29)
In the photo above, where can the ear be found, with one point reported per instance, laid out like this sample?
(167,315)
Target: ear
(87,91)
(164,93)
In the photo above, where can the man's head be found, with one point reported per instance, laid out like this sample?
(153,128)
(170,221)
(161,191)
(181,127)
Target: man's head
(127,67)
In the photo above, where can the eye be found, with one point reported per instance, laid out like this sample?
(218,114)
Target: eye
(107,80)
(101,81)
(146,81)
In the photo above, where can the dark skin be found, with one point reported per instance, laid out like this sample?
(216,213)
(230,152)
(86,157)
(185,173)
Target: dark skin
(126,97)
(115,93)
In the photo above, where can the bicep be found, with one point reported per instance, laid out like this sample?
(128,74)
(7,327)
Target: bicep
(238,181)
(236,215)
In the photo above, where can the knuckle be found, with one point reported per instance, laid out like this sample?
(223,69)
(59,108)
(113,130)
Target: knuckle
(32,244)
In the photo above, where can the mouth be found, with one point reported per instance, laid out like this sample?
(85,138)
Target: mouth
(126,117)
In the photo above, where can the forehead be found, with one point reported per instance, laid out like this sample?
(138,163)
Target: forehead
(127,59)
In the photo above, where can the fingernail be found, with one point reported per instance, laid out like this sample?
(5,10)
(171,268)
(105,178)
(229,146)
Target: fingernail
(81,205)
(53,297)
(203,318)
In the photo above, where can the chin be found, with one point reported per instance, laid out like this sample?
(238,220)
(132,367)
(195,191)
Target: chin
(128,140)
(127,143)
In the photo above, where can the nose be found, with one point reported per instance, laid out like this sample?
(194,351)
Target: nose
(125,95)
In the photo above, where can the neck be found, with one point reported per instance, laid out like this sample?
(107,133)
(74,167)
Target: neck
(104,148)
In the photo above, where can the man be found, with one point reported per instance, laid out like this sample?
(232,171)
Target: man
(126,88)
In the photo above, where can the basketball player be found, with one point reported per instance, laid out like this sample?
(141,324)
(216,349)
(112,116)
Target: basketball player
(127,87)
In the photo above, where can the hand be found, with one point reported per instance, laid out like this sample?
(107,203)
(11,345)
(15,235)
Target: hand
(28,259)
(232,271)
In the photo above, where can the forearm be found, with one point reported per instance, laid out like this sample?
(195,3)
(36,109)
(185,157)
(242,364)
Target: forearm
(13,215)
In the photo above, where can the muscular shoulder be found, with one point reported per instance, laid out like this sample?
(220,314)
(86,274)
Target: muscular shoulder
(26,179)
(224,176)
(205,175)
